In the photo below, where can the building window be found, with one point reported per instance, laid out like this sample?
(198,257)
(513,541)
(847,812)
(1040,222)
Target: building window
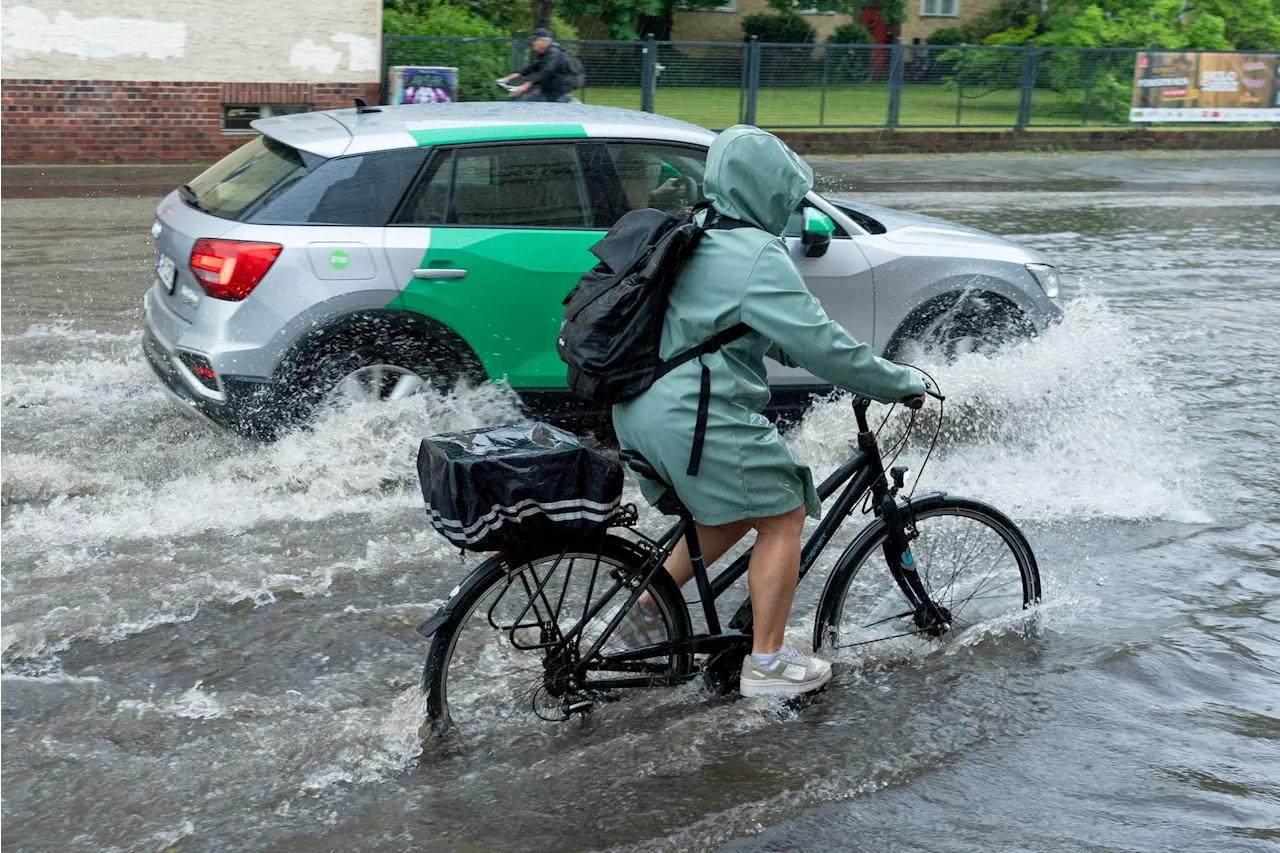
(939,8)
(236,117)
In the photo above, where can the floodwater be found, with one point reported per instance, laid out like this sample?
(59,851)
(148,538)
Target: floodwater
(208,644)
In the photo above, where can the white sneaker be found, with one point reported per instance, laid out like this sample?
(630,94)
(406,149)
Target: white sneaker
(790,675)
(636,629)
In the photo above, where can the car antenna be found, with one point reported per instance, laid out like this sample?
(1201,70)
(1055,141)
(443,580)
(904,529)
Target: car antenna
(362,107)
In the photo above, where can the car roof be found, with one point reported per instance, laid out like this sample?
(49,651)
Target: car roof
(337,132)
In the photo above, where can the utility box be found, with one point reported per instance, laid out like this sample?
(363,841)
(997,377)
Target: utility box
(422,84)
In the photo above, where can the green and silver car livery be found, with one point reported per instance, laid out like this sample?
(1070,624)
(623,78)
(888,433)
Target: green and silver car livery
(375,251)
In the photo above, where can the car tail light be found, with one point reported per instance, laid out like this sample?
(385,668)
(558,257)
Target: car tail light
(231,269)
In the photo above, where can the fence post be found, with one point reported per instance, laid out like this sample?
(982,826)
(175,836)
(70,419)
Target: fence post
(895,86)
(1026,85)
(822,98)
(385,64)
(648,72)
(752,59)
(517,52)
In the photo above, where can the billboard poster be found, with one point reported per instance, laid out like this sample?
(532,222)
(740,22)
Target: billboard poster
(1192,86)
(421,84)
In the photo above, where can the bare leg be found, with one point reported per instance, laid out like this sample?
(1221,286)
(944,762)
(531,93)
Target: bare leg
(772,577)
(714,542)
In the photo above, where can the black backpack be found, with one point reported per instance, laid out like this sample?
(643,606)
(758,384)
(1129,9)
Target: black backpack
(612,323)
(577,74)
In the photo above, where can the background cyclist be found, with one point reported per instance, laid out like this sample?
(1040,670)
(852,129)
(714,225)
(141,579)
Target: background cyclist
(548,76)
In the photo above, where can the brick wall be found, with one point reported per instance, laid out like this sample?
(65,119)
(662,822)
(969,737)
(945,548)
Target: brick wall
(112,121)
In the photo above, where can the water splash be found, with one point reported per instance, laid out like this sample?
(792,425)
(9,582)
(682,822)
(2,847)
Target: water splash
(1070,425)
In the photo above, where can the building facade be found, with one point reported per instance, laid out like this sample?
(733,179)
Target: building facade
(133,81)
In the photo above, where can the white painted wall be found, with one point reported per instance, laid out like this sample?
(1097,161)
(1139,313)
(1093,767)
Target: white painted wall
(229,41)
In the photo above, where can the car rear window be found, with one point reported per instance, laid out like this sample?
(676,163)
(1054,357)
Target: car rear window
(235,183)
(363,189)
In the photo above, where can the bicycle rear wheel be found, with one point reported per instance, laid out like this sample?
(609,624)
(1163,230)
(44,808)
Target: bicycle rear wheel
(501,655)
(971,559)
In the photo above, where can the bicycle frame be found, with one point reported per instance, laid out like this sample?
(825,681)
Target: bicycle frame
(861,473)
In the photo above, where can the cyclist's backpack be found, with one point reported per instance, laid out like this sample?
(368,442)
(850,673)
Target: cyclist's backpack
(516,487)
(577,74)
(612,323)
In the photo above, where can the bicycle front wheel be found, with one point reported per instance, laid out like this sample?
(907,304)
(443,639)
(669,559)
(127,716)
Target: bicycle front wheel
(971,560)
(502,655)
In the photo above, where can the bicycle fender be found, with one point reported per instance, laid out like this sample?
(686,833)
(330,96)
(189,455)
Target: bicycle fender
(428,628)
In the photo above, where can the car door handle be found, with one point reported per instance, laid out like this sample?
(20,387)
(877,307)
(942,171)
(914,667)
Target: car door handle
(439,273)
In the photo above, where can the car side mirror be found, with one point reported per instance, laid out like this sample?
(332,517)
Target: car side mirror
(816,236)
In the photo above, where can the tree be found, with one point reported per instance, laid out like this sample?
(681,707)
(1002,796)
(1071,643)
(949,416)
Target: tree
(628,20)
(542,10)
(478,65)
(1172,24)
(509,16)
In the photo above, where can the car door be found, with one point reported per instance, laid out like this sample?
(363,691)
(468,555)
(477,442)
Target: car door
(490,241)
(842,281)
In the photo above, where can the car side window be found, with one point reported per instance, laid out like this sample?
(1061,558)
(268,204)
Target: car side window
(666,177)
(525,185)
(428,205)
(360,190)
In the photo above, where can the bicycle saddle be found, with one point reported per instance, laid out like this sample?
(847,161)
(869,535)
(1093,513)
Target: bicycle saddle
(669,503)
(642,467)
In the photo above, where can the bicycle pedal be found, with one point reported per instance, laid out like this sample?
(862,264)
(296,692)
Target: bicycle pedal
(723,670)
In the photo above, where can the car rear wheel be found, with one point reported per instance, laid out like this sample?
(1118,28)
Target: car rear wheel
(377,383)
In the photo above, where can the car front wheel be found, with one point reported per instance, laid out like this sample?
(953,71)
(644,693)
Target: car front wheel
(980,323)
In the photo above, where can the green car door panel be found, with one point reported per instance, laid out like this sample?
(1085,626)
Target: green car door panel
(508,305)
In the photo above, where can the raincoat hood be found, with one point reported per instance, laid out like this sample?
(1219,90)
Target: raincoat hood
(754,177)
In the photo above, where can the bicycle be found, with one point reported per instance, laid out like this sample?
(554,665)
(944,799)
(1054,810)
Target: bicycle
(515,625)
(513,97)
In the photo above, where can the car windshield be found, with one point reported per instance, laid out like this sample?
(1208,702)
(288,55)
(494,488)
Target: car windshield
(236,182)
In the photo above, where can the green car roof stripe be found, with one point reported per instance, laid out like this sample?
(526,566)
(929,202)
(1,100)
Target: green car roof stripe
(496,132)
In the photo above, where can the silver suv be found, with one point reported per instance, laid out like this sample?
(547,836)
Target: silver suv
(378,250)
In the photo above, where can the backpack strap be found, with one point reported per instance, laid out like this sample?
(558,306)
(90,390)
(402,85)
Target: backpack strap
(710,345)
(716,221)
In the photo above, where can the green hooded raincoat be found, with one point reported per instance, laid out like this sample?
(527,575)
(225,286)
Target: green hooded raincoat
(745,275)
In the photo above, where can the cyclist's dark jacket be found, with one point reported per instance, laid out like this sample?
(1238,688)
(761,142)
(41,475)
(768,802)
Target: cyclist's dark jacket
(745,275)
(550,72)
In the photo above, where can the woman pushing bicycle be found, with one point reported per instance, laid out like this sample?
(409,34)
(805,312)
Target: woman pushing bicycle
(741,475)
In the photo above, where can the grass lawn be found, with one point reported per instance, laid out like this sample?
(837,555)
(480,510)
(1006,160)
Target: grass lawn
(865,105)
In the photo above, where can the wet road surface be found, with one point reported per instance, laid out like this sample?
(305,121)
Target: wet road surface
(208,643)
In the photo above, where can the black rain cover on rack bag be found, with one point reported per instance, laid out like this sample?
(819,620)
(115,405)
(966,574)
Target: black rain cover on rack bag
(514,486)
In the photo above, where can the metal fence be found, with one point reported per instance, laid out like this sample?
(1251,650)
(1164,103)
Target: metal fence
(798,86)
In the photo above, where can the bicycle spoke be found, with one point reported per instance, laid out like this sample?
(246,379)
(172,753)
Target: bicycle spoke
(903,615)
(964,564)
(519,648)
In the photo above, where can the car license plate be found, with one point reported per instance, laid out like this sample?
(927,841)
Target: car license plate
(165,270)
